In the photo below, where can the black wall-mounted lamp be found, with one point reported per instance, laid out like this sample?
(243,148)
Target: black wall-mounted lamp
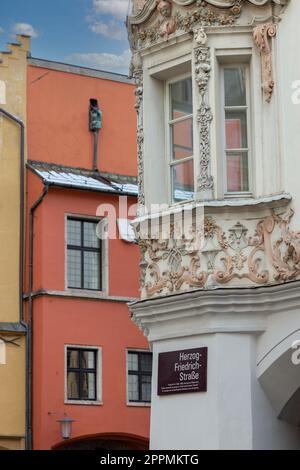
(95,124)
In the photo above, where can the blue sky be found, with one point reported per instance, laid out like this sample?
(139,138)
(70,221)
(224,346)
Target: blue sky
(82,32)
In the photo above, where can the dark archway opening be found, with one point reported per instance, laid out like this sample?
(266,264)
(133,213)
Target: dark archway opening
(105,442)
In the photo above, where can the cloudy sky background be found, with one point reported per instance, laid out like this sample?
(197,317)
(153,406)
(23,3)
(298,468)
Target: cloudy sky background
(83,32)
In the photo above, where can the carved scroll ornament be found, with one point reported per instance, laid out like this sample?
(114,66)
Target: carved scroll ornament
(262,36)
(270,254)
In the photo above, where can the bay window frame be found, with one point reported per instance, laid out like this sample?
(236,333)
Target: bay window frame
(168,141)
(235,63)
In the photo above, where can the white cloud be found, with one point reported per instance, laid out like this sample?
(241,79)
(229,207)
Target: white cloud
(112,29)
(25,28)
(1,30)
(103,60)
(116,8)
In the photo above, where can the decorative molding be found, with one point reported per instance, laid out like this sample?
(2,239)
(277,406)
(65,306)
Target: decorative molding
(136,71)
(162,20)
(213,256)
(204,115)
(262,35)
(158,19)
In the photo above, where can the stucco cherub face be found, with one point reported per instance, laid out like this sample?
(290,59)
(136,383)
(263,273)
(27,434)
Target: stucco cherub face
(164,8)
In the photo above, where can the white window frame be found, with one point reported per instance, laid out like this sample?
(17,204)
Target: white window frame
(104,261)
(236,194)
(2,353)
(98,401)
(136,403)
(168,151)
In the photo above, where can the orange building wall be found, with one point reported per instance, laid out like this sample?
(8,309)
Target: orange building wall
(58,121)
(64,321)
(58,132)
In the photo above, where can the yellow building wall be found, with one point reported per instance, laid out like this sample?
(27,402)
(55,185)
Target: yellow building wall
(13,85)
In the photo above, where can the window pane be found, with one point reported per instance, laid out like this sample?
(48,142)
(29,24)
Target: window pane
(74,268)
(146,362)
(133,361)
(88,386)
(73,359)
(91,270)
(133,388)
(74,232)
(183,181)
(146,388)
(235,86)
(90,238)
(182,139)
(236,129)
(73,385)
(181,98)
(88,359)
(237,172)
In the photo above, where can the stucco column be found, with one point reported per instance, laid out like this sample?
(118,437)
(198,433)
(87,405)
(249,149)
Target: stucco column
(236,411)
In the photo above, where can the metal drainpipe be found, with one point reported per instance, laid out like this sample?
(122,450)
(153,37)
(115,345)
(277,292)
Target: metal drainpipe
(30,317)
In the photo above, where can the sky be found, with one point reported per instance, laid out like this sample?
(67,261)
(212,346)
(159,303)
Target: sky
(91,33)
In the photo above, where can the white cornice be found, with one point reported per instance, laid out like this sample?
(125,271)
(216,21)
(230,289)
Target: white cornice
(214,310)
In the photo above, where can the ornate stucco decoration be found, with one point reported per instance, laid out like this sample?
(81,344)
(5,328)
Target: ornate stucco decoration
(262,35)
(136,72)
(160,19)
(243,253)
(204,115)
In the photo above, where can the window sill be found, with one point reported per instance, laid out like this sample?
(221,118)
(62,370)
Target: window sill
(83,402)
(236,202)
(95,294)
(139,404)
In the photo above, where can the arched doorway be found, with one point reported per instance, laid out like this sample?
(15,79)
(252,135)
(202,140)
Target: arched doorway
(105,442)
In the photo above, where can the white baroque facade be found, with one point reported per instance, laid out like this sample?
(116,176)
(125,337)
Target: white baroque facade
(218,106)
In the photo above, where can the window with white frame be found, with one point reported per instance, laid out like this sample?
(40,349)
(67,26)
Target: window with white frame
(180,139)
(83,374)
(84,255)
(139,372)
(235,84)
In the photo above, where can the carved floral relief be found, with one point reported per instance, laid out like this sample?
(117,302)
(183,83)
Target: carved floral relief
(238,255)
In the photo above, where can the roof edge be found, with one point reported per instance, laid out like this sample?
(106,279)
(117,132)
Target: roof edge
(80,70)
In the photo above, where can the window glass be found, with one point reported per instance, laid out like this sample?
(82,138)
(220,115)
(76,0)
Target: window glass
(139,365)
(237,172)
(182,139)
(81,374)
(183,181)
(83,255)
(236,130)
(73,386)
(74,232)
(235,86)
(91,270)
(181,98)
(74,269)
(181,145)
(89,235)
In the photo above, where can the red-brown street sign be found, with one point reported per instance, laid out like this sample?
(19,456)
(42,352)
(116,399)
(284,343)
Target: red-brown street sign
(183,371)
